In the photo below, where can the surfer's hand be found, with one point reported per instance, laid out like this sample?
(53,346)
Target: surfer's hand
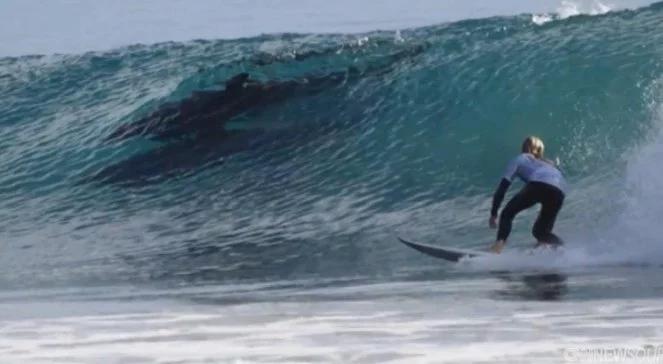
(497,247)
(493,222)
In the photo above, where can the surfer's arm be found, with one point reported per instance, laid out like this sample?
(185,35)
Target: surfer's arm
(498,197)
(507,177)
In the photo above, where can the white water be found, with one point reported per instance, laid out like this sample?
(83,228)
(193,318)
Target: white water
(570,8)
(500,320)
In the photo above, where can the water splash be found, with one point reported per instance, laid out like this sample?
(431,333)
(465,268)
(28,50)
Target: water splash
(569,8)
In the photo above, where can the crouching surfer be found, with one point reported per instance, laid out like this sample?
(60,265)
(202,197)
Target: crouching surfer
(544,184)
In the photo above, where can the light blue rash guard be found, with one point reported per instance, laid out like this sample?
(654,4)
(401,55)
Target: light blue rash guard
(530,169)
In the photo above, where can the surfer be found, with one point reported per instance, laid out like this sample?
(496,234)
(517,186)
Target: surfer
(544,184)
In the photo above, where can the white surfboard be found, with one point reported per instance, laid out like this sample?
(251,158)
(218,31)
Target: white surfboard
(447,253)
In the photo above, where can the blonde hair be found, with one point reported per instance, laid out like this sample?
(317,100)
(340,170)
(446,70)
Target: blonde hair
(533,145)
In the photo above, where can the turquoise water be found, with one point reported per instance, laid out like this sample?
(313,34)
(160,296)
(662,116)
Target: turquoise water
(313,189)
(329,177)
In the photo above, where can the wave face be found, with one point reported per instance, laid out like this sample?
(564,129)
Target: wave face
(317,185)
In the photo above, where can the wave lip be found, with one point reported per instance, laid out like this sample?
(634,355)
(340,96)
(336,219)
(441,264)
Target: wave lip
(207,19)
(570,8)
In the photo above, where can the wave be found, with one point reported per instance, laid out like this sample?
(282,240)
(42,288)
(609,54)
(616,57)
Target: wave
(318,183)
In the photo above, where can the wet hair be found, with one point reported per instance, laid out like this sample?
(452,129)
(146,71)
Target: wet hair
(533,145)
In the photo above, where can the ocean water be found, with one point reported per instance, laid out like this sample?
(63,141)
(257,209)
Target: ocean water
(276,241)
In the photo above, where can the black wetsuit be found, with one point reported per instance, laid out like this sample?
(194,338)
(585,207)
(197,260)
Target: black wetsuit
(544,185)
(551,199)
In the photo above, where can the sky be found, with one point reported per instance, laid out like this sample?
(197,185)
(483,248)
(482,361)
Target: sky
(77,26)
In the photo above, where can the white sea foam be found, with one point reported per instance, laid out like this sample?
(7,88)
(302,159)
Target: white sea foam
(453,321)
(638,232)
(569,8)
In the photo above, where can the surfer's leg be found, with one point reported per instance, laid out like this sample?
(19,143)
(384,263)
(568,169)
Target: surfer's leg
(551,202)
(524,199)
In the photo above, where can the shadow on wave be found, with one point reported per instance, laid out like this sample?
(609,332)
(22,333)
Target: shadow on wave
(194,130)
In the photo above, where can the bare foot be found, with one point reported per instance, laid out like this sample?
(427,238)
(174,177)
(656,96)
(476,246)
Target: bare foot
(497,246)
